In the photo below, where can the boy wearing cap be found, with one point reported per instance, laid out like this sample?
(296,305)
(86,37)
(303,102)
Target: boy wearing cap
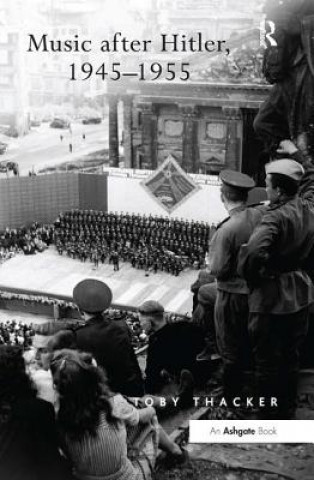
(172,346)
(231,308)
(275,263)
(108,341)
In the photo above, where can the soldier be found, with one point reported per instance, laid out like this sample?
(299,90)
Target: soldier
(107,340)
(95,257)
(103,255)
(133,260)
(231,309)
(155,265)
(59,247)
(115,261)
(275,263)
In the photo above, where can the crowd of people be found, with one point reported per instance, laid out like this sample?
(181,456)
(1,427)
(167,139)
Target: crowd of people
(251,304)
(88,377)
(13,332)
(261,258)
(149,242)
(29,240)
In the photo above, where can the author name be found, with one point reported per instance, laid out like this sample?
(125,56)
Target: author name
(208,401)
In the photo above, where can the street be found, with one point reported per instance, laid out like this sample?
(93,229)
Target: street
(43,146)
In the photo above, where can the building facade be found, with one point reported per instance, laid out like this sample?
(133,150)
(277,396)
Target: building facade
(205,123)
(14,111)
(205,127)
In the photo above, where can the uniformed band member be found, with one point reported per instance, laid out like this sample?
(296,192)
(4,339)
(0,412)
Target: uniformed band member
(115,260)
(108,340)
(275,263)
(152,243)
(172,348)
(231,308)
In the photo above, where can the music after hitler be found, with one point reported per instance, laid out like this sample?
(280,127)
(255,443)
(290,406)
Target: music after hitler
(168,43)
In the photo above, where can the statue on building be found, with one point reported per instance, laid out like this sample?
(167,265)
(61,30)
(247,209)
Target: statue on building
(289,65)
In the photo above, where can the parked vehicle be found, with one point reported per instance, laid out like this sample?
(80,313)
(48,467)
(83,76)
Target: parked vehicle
(59,123)
(91,120)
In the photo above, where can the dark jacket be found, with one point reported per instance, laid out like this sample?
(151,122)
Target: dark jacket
(174,347)
(203,278)
(28,444)
(109,341)
(280,254)
(225,246)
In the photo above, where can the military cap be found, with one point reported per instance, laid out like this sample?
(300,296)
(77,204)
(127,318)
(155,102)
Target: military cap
(151,307)
(286,166)
(236,179)
(92,295)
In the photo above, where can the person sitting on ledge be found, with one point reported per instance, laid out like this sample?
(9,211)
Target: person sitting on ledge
(103,435)
(172,349)
(203,316)
(108,341)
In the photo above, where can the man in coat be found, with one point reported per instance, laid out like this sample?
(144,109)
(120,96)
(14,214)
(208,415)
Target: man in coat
(275,263)
(107,340)
(172,348)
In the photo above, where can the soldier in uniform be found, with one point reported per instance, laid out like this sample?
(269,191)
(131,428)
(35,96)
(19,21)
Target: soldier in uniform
(103,254)
(122,232)
(107,340)
(231,309)
(115,260)
(59,247)
(95,257)
(275,263)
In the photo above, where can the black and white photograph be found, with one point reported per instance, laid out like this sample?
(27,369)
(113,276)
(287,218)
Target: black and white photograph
(157,240)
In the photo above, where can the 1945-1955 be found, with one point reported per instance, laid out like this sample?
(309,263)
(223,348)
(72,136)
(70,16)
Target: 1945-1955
(170,71)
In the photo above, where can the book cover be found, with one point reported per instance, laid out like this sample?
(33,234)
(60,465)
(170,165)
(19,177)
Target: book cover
(118,123)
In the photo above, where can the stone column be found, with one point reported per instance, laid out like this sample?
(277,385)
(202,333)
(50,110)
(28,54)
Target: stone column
(127,131)
(113,132)
(190,147)
(149,135)
(233,144)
